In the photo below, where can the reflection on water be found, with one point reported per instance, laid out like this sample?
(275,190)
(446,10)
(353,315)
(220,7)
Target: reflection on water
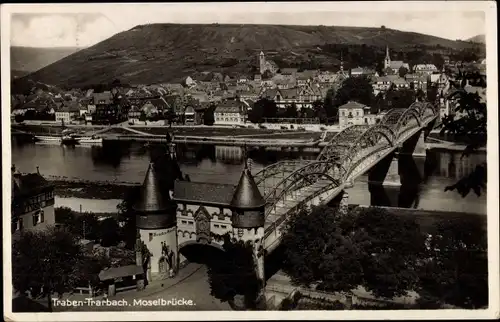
(414,182)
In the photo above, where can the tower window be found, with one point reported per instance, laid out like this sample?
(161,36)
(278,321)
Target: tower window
(223,226)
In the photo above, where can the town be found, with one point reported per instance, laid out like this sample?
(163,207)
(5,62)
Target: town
(255,191)
(214,99)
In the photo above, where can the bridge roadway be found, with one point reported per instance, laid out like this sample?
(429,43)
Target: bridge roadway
(290,185)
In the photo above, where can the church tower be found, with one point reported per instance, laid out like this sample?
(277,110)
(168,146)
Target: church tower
(157,222)
(249,216)
(387,60)
(262,63)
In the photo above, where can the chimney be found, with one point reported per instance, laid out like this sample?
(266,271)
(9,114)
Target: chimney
(38,169)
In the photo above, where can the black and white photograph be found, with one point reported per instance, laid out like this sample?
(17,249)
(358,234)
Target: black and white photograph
(319,160)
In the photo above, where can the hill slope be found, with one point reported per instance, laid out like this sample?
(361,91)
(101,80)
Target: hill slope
(169,52)
(480,39)
(30,59)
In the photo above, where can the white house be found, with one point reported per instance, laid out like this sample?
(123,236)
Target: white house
(354,113)
(230,112)
(426,69)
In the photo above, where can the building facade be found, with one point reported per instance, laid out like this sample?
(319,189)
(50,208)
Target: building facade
(32,203)
(230,112)
(354,113)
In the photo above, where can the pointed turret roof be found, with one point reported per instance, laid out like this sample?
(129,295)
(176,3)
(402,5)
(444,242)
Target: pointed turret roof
(151,197)
(247,194)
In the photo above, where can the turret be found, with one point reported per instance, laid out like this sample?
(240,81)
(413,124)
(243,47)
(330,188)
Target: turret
(154,204)
(247,203)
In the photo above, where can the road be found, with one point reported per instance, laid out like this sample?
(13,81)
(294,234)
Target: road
(194,288)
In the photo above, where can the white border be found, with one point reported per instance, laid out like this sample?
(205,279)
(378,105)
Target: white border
(489,7)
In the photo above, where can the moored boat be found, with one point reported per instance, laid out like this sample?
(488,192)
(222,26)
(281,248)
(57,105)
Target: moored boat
(89,139)
(69,140)
(48,138)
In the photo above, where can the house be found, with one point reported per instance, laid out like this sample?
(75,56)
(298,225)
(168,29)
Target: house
(110,107)
(68,112)
(425,69)
(289,71)
(326,77)
(257,77)
(417,81)
(189,82)
(381,84)
(230,112)
(354,113)
(189,115)
(400,83)
(302,97)
(358,71)
(32,202)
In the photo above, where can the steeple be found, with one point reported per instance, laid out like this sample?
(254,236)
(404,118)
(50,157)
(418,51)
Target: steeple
(387,60)
(341,63)
(152,198)
(247,203)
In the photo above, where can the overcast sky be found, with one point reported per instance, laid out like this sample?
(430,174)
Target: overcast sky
(58,26)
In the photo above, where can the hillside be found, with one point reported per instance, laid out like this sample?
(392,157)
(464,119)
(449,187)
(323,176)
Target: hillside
(168,52)
(30,59)
(480,39)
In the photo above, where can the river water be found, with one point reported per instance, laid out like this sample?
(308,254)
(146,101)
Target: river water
(128,161)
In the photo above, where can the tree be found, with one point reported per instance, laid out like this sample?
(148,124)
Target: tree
(470,124)
(319,111)
(88,269)
(19,118)
(357,89)
(109,232)
(329,106)
(402,71)
(456,271)
(128,217)
(291,111)
(234,274)
(377,248)
(43,262)
(208,115)
(317,250)
(85,226)
(263,108)
(399,98)
(64,216)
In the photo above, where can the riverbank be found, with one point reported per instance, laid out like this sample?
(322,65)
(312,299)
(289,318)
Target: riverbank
(73,188)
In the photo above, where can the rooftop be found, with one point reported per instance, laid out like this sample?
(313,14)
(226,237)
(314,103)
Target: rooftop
(27,184)
(352,105)
(151,198)
(203,192)
(247,194)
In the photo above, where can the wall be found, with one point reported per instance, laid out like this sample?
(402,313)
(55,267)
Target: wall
(49,219)
(220,223)
(154,245)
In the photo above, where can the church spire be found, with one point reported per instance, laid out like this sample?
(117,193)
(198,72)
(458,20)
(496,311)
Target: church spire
(341,63)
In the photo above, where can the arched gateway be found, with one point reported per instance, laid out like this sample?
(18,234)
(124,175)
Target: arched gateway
(196,213)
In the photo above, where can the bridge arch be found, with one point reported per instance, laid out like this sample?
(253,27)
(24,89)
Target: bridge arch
(311,170)
(366,141)
(201,253)
(331,150)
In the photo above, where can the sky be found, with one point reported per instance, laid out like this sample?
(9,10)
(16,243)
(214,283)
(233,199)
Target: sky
(71,26)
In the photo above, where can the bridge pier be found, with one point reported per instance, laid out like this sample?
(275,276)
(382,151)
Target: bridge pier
(415,145)
(385,171)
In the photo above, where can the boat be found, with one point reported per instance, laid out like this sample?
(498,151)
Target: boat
(48,138)
(89,139)
(69,140)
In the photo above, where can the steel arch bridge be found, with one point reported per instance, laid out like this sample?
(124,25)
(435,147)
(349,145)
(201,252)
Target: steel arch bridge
(289,185)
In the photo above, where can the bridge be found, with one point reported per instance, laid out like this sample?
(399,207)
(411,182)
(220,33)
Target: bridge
(290,185)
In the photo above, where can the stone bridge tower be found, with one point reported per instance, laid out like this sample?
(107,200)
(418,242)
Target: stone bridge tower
(157,224)
(248,217)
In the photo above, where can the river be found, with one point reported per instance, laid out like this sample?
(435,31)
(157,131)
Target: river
(128,161)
